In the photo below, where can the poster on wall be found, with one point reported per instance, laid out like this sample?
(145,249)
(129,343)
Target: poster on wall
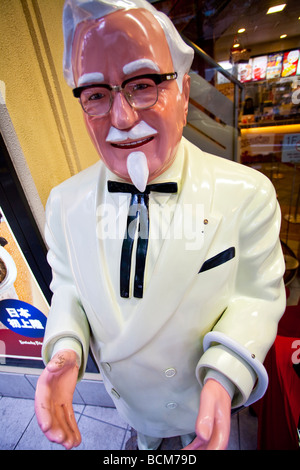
(257,144)
(290,63)
(23,307)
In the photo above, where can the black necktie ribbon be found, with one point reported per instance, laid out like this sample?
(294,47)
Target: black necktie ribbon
(137,219)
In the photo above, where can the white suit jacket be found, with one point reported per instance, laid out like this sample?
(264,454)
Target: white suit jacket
(152,361)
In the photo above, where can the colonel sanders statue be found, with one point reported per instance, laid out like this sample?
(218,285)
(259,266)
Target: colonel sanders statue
(166,260)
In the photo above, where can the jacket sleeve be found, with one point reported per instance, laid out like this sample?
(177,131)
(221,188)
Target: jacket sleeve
(67,325)
(259,300)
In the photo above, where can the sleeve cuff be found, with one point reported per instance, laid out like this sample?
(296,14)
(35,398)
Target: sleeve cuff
(232,367)
(222,380)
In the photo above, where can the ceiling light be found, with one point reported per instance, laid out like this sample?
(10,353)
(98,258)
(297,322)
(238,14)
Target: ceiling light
(276,8)
(283,36)
(236,45)
(241,30)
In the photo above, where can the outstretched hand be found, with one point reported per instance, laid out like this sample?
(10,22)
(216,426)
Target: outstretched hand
(53,400)
(213,421)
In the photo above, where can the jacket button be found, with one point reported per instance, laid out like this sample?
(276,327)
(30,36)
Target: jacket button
(172,405)
(170,372)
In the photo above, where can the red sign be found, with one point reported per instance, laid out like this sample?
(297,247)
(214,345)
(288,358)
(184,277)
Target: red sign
(290,63)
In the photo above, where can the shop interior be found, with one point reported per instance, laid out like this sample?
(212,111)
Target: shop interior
(257,44)
(244,106)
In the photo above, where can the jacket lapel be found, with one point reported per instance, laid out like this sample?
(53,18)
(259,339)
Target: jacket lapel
(88,262)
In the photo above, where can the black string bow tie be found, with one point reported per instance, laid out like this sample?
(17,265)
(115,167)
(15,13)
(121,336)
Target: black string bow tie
(137,219)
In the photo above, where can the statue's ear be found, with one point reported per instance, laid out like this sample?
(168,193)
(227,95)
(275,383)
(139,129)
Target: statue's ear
(186,85)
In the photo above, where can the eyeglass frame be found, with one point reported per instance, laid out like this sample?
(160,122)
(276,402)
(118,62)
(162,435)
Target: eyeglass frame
(157,78)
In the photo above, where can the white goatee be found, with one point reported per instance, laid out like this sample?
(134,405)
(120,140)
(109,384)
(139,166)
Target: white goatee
(138,170)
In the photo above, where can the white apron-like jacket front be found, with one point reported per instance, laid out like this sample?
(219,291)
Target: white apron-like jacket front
(151,358)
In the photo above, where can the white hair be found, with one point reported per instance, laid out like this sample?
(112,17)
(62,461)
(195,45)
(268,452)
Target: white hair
(76,11)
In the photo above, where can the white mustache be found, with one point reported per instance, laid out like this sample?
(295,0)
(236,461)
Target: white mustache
(140,131)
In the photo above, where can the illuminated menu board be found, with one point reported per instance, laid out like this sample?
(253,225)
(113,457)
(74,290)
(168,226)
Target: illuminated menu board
(259,67)
(245,72)
(290,63)
(274,66)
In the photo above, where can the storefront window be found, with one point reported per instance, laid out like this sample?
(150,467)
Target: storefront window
(258,46)
(244,102)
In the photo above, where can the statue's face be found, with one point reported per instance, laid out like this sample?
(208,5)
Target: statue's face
(124,45)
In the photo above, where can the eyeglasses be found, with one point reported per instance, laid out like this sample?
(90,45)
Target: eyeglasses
(140,92)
